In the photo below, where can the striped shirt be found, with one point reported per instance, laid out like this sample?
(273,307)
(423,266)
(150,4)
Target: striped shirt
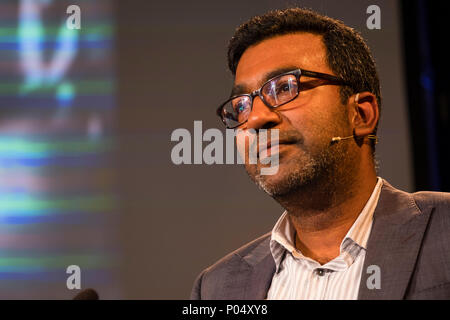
(300,277)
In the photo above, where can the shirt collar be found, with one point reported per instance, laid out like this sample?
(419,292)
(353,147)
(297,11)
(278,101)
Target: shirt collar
(283,233)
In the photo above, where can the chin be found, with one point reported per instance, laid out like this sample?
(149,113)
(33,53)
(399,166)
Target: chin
(281,183)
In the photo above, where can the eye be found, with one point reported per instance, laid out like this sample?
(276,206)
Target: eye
(284,87)
(240,106)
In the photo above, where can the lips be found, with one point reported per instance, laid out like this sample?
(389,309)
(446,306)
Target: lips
(267,147)
(263,141)
(273,143)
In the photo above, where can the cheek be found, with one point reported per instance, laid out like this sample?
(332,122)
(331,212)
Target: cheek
(318,125)
(246,145)
(313,123)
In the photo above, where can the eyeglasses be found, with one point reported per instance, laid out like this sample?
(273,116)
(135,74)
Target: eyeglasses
(275,92)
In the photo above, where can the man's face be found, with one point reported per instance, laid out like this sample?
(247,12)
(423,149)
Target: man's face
(306,124)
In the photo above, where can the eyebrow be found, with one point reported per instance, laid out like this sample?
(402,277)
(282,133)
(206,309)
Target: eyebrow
(242,89)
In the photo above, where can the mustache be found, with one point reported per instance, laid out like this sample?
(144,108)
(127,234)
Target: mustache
(284,137)
(262,140)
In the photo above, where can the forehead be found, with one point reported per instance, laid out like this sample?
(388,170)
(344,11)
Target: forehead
(303,50)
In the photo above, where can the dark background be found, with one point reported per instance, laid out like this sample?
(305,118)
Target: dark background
(177,220)
(87,178)
(427,75)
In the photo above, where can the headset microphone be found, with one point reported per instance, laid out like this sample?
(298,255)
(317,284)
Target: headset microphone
(370,136)
(337,139)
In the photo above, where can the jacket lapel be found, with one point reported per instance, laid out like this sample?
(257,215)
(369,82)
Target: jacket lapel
(394,243)
(255,279)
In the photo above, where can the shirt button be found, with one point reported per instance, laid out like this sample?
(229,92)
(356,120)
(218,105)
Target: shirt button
(320,272)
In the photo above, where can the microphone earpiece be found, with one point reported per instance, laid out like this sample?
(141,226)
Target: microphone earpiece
(337,139)
(370,136)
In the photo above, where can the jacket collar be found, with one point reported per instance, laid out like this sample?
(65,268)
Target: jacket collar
(394,243)
(261,268)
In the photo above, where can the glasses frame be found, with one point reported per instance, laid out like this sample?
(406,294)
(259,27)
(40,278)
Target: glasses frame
(297,72)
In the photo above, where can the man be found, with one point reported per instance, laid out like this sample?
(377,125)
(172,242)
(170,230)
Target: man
(346,233)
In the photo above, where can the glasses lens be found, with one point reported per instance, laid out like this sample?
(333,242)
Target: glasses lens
(280,90)
(236,111)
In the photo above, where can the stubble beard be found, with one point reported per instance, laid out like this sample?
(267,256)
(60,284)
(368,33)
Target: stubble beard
(315,173)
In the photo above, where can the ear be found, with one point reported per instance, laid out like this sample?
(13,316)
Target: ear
(367,114)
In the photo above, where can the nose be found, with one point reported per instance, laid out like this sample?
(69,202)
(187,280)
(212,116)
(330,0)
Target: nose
(262,116)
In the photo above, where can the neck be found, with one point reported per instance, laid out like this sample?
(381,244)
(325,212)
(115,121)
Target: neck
(323,212)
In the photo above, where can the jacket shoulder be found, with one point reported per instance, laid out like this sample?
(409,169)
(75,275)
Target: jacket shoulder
(217,274)
(422,201)
(241,252)
(431,276)
(439,200)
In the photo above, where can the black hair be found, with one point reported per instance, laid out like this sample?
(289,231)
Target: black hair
(347,54)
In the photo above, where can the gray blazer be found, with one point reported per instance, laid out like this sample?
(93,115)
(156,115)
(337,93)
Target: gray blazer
(409,241)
